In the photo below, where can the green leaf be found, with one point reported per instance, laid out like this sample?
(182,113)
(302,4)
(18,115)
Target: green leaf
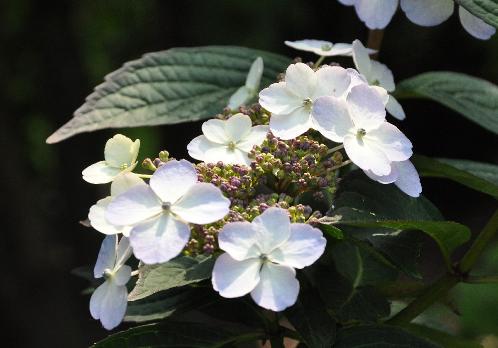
(482,177)
(180,271)
(440,337)
(487,10)
(380,336)
(179,335)
(332,231)
(474,98)
(167,87)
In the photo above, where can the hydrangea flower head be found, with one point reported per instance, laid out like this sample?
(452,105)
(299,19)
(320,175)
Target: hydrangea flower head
(250,90)
(160,212)
(261,258)
(291,101)
(120,155)
(109,301)
(359,122)
(228,141)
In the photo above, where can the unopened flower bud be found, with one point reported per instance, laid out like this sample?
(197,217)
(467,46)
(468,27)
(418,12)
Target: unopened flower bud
(164,156)
(147,164)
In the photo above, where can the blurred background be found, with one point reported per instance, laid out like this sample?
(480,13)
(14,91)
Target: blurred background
(52,54)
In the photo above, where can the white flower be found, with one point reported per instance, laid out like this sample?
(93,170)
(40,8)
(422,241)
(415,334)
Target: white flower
(359,122)
(120,155)
(96,215)
(228,141)
(108,302)
(377,74)
(160,213)
(323,48)
(404,175)
(291,102)
(376,14)
(251,88)
(261,257)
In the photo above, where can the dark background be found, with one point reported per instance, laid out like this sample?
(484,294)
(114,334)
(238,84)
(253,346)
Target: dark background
(53,53)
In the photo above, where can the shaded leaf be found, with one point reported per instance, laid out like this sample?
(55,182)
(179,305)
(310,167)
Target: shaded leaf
(440,337)
(167,87)
(487,10)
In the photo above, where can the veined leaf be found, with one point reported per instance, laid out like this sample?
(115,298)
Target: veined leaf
(487,10)
(474,98)
(482,177)
(167,87)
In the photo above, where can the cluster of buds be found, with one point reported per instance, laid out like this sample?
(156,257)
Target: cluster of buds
(258,115)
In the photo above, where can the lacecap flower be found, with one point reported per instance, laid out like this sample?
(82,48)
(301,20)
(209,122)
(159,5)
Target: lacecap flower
(251,88)
(260,258)
(403,175)
(322,48)
(120,155)
(228,141)
(291,101)
(122,183)
(160,212)
(377,74)
(376,14)
(109,301)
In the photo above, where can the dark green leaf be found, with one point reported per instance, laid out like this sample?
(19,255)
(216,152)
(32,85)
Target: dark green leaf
(332,231)
(181,271)
(474,98)
(167,87)
(487,10)
(482,177)
(440,337)
(179,335)
(379,337)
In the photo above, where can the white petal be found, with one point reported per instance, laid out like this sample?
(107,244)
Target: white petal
(356,79)
(240,97)
(384,179)
(315,46)
(376,14)
(365,156)
(121,150)
(331,81)
(255,137)
(96,215)
(232,278)
(331,118)
(342,49)
(362,59)
(475,26)
(122,275)
(228,156)
(427,12)
(277,289)
(214,130)
(173,179)
(106,257)
(347,2)
(135,205)
(255,72)
(395,109)
(391,141)
(301,80)
(291,125)
(239,240)
(273,228)
(408,179)
(366,108)
(108,303)
(381,93)
(100,173)
(203,203)
(237,127)
(382,76)
(304,246)
(198,147)
(159,240)
(278,99)
(123,252)
(125,181)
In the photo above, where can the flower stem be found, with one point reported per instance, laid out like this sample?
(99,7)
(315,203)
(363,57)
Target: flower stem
(334,149)
(144,176)
(343,164)
(318,62)
(375,37)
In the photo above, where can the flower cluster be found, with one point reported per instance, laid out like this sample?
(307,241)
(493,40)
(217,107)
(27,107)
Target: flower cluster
(242,202)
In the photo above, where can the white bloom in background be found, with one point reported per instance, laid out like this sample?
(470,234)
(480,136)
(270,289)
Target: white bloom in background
(228,141)
(404,175)
(377,74)
(122,183)
(359,122)
(261,258)
(108,302)
(120,155)
(291,102)
(322,48)
(160,213)
(376,14)
(251,88)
